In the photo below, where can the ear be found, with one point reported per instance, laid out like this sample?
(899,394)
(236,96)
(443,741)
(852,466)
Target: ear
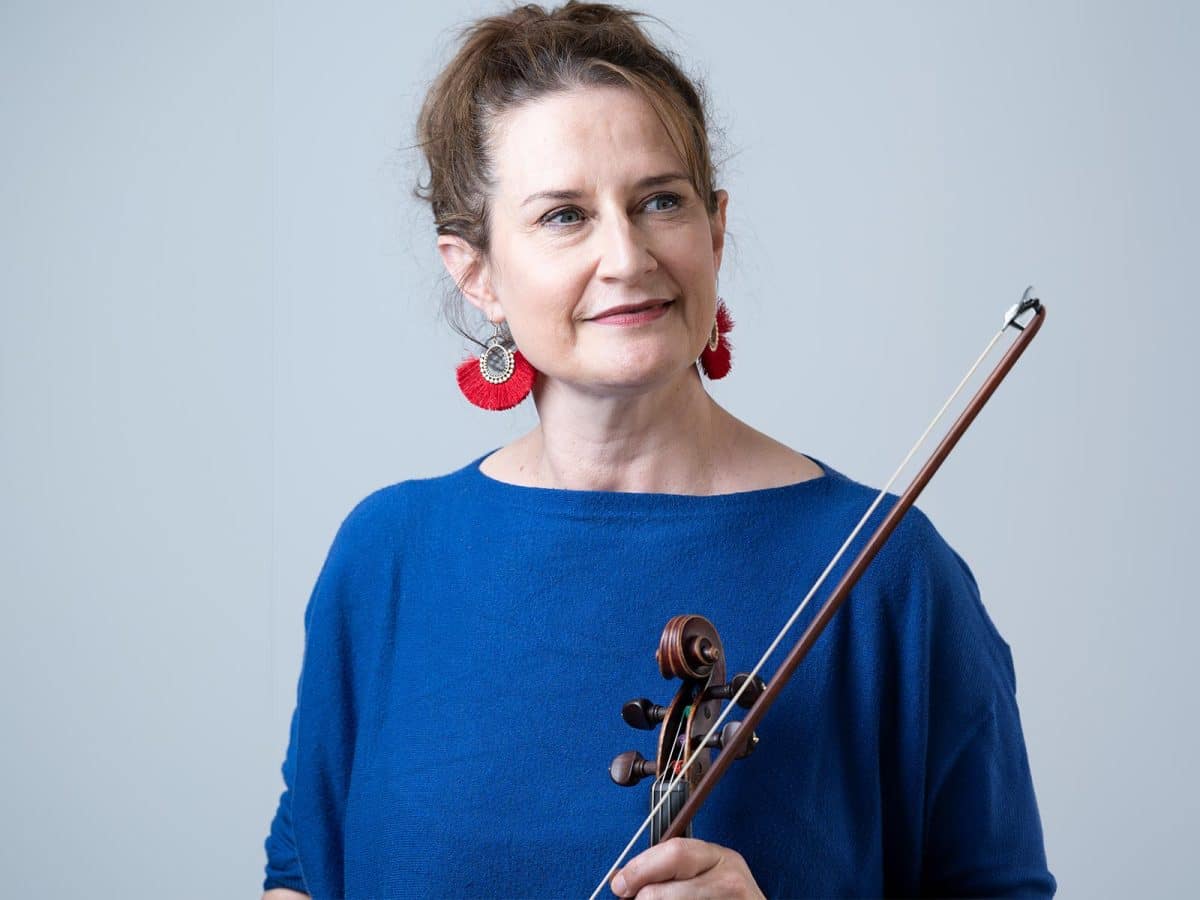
(471,272)
(717,225)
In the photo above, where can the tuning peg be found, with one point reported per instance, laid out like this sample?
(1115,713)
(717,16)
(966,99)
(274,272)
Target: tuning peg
(752,693)
(728,735)
(643,714)
(631,767)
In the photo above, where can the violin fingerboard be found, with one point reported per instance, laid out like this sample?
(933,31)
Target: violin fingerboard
(669,810)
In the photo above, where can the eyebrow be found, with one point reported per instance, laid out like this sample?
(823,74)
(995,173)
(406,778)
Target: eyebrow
(650,181)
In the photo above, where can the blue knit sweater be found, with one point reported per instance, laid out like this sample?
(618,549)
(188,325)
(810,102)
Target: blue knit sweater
(469,644)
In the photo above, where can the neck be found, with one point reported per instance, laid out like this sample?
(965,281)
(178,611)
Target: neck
(671,438)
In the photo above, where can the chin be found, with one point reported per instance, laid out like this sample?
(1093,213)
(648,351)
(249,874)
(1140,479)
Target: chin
(640,374)
(622,367)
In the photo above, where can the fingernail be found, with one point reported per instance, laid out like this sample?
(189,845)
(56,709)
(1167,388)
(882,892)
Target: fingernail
(618,885)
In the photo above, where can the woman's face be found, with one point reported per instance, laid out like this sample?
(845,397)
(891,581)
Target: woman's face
(592,210)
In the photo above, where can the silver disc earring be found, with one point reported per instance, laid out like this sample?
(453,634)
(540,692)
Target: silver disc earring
(496,362)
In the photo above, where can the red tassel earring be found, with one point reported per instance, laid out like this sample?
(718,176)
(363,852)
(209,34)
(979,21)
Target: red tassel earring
(716,359)
(500,378)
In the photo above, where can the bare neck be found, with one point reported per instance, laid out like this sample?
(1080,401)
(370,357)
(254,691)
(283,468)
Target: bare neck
(672,438)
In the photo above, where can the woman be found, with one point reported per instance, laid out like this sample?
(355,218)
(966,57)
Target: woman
(471,637)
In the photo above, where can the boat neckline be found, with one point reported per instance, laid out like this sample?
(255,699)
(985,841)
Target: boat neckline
(511,492)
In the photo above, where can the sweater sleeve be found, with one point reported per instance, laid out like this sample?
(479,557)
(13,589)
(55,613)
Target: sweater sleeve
(983,833)
(985,837)
(283,864)
(304,846)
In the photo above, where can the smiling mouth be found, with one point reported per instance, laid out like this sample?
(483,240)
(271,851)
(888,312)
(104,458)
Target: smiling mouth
(634,313)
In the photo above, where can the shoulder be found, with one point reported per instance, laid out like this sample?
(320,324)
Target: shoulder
(370,546)
(372,522)
(940,578)
(917,574)
(921,604)
(389,516)
(914,547)
(386,510)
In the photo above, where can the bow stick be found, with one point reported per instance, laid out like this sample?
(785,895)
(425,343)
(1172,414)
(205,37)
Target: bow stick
(736,745)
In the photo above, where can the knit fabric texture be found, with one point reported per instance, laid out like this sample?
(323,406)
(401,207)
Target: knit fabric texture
(469,644)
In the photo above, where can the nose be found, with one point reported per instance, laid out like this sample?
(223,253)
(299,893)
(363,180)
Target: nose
(624,250)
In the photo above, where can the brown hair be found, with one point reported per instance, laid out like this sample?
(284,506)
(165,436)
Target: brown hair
(509,60)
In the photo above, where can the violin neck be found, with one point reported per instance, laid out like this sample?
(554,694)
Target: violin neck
(666,815)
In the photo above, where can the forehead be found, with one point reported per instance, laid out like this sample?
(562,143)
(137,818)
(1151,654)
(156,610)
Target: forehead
(584,138)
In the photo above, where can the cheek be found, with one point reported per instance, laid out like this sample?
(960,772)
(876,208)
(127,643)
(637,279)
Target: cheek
(697,280)
(541,307)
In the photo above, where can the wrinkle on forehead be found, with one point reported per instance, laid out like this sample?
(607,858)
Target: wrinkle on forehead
(586,138)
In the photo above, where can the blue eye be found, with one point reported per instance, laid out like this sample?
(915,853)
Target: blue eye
(550,217)
(673,198)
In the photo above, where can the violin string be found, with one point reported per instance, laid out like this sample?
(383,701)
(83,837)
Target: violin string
(677,745)
(659,777)
(796,615)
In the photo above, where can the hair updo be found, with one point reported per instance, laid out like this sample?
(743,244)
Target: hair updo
(510,60)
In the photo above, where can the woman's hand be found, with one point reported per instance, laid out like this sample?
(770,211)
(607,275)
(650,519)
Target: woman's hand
(686,867)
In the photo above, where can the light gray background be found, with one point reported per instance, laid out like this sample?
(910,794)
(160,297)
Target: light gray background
(218,333)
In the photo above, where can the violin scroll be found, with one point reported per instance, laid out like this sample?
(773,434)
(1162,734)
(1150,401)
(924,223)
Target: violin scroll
(689,649)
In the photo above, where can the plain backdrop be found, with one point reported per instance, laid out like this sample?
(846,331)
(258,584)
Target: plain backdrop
(219,331)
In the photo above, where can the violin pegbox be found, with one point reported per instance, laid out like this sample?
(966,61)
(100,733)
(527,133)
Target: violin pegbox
(690,649)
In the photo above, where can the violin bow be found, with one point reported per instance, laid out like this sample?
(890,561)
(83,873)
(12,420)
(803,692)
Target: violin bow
(1034,313)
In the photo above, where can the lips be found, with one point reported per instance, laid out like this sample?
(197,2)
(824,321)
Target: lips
(633,307)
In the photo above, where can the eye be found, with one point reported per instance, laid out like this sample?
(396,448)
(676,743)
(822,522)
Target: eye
(670,198)
(551,217)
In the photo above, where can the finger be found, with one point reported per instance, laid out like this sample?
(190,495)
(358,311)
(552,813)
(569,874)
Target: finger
(675,860)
